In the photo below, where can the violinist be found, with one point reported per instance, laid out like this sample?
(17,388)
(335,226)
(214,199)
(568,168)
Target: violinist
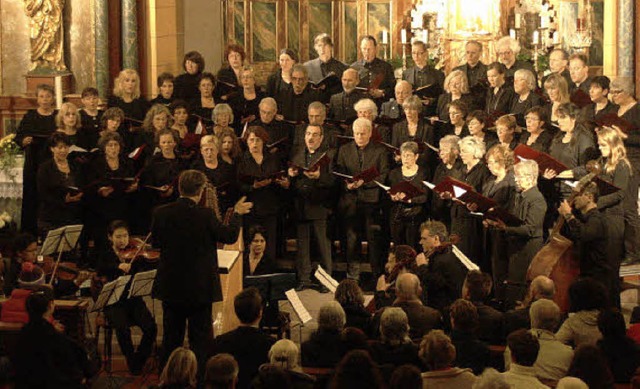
(589,230)
(24,248)
(441,273)
(128,311)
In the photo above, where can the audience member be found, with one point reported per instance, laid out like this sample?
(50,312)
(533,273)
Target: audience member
(491,379)
(515,319)
(524,352)
(438,353)
(586,298)
(286,355)
(180,370)
(554,356)
(357,371)
(571,383)
(591,367)
(354,338)
(324,348)
(44,357)
(221,372)
(248,345)
(406,377)
(470,351)
(270,376)
(350,297)
(622,353)
(476,289)
(395,346)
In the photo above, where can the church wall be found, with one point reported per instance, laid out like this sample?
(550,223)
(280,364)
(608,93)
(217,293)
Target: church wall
(203,31)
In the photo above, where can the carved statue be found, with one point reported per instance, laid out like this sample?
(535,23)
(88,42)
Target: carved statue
(46,33)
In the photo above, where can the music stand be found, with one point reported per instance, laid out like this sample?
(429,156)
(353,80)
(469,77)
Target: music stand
(60,240)
(142,283)
(110,293)
(272,288)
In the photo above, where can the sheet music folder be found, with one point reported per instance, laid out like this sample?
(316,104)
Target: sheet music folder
(111,293)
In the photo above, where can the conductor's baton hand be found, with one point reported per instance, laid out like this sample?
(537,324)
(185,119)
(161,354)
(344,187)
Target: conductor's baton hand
(243,207)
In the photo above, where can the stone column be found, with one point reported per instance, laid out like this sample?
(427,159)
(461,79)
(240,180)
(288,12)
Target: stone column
(129,35)
(102,47)
(625,38)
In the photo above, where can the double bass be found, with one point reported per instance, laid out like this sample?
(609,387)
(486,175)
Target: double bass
(556,259)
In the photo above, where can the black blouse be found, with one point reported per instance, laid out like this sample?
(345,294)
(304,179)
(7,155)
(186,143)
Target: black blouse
(136,110)
(53,186)
(113,206)
(266,200)
(223,178)
(416,206)
(185,86)
(542,143)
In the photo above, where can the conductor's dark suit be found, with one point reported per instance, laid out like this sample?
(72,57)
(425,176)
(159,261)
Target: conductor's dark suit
(186,282)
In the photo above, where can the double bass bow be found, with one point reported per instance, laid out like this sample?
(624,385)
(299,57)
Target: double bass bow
(555,259)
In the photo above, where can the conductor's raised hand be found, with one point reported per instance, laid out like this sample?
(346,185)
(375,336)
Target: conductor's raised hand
(242,207)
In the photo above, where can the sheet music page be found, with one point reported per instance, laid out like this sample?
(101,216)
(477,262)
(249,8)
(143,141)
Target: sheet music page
(325,279)
(70,237)
(464,259)
(368,298)
(297,305)
(121,282)
(104,295)
(142,283)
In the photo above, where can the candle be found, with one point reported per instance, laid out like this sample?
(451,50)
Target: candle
(58,88)
(425,36)
(385,38)
(579,24)
(518,20)
(544,22)
(556,38)
(535,37)
(403,36)
(512,33)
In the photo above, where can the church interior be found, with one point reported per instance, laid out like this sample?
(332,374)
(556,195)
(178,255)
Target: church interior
(81,48)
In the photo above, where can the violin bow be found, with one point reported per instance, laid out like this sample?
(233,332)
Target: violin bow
(144,243)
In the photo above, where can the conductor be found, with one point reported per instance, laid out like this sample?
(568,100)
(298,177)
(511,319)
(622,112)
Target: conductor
(186,281)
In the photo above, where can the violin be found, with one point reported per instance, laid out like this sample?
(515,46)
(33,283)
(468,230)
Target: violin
(67,271)
(139,249)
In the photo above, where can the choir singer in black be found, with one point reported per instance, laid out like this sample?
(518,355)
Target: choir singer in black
(187,281)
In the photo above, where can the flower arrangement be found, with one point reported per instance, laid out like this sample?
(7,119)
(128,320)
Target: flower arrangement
(5,220)
(8,152)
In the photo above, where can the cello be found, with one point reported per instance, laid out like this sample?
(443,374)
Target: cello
(556,259)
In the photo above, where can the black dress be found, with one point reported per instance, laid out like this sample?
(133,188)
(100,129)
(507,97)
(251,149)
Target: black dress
(90,130)
(542,143)
(223,178)
(243,108)
(519,107)
(468,226)
(228,76)
(424,133)
(53,186)
(406,216)
(40,127)
(440,209)
(185,86)
(577,152)
(134,111)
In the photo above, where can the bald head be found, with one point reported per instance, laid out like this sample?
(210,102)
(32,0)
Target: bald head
(350,79)
(545,315)
(408,286)
(403,91)
(542,287)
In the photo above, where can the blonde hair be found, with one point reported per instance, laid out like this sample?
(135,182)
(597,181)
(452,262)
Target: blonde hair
(210,140)
(181,368)
(502,154)
(614,138)
(117,87)
(367,105)
(558,82)
(474,143)
(437,350)
(221,109)
(285,354)
(457,73)
(66,107)
(507,120)
(156,109)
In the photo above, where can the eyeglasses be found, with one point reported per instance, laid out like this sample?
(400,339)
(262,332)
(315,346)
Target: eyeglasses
(615,91)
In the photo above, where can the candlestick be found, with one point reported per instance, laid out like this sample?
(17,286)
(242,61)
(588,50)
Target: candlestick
(518,20)
(512,33)
(536,37)
(403,36)
(544,22)
(556,38)
(425,36)
(385,38)
(58,88)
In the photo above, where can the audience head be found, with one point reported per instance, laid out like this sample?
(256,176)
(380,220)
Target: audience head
(323,45)
(587,294)
(353,338)
(111,143)
(491,379)
(25,247)
(591,366)
(59,140)
(229,143)
(181,369)
(268,109)
(221,372)
(437,351)
(193,63)
(285,354)
(348,293)
(357,370)
(256,138)
(622,87)
(406,377)
(599,87)
(248,306)
(270,376)
(464,316)
(571,383)
(331,317)
(506,128)
(611,325)
(545,315)
(477,286)
(45,96)
(39,304)
(495,74)
(408,287)
(394,326)
(458,111)
(524,347)
(206,84)
(542,287)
